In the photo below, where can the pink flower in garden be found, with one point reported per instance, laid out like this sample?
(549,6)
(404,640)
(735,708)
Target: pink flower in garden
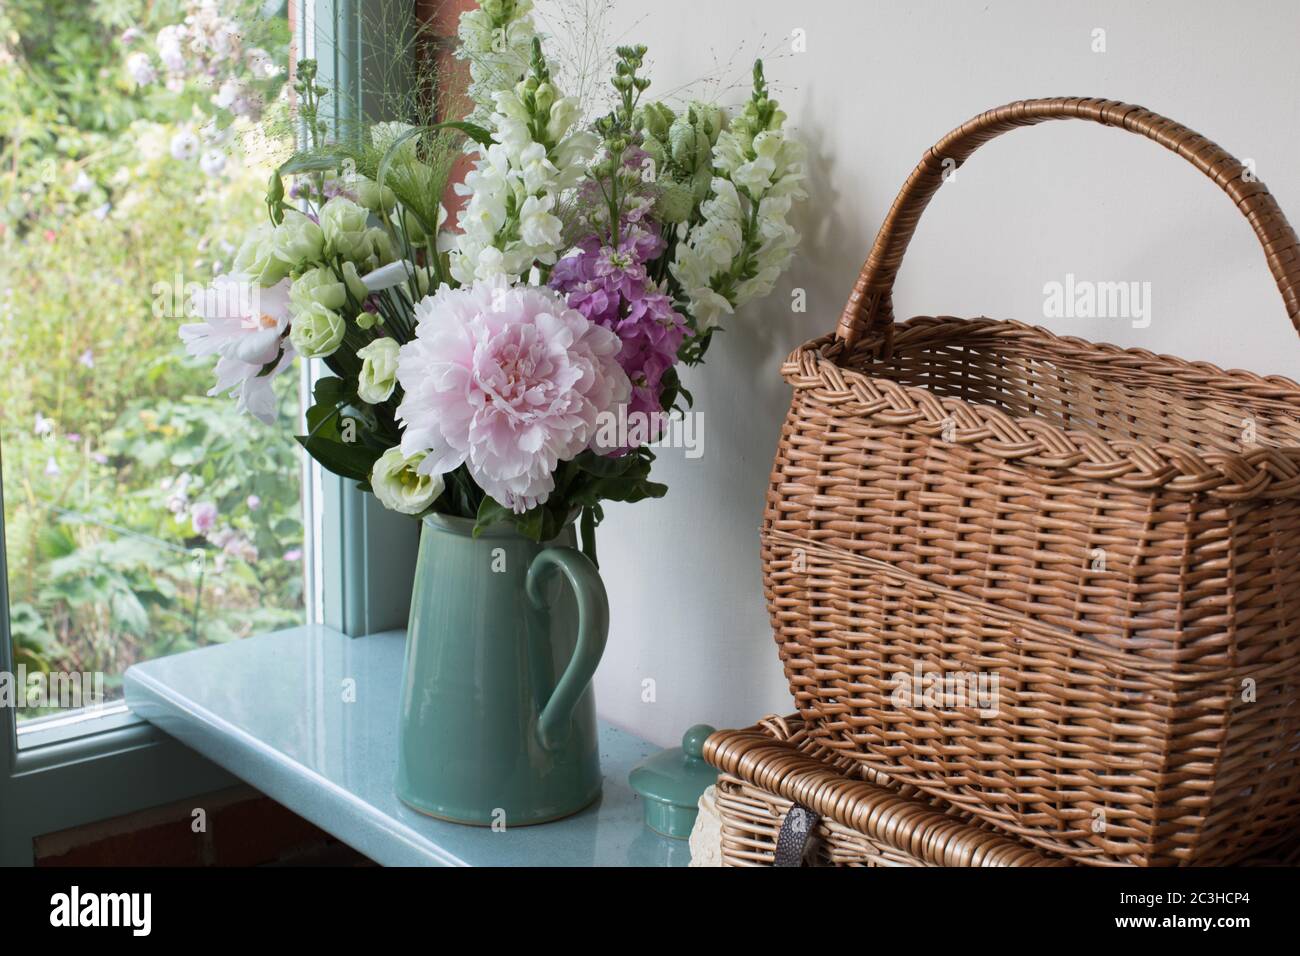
(507,381)
(245,325)
(253,502)
(293,554)
(203,517)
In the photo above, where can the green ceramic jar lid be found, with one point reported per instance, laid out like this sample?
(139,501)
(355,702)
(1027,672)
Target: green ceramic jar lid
(671,782)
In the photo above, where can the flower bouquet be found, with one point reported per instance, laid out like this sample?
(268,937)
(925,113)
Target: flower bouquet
(506,375)
(515,367)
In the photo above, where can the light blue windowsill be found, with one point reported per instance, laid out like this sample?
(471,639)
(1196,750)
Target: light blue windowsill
(271,710)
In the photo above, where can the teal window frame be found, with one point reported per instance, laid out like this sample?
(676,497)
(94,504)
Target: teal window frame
(100,766)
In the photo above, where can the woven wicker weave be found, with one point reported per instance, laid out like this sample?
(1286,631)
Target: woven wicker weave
(1113,534)
(766,768)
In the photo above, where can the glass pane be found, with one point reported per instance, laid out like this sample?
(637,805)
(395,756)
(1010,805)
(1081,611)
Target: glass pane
(141,517)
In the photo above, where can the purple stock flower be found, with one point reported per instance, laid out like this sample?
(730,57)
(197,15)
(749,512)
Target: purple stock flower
(612,288)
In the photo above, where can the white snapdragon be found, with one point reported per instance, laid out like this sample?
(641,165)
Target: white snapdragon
(743,242)
(508,223)
(497,41)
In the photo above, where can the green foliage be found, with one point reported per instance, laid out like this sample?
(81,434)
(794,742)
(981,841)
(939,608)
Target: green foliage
(106,448)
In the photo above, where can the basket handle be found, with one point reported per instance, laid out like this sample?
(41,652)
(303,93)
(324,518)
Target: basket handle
(870,307)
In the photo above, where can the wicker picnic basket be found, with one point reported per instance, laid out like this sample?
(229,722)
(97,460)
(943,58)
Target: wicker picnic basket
(1113,535)
(864,819)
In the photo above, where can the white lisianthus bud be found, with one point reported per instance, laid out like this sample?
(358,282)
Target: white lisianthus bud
(354,283)
(378,375)
(317,331)
(297,240)
(374,197)
(381,247)
(344,224)
(317,286)
(399,487)
(256,257)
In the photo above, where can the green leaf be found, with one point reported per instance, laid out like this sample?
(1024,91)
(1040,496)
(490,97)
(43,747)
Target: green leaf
(332,390)
(617,489)
(347,460)
(604,466)
(314,161)
(489,513)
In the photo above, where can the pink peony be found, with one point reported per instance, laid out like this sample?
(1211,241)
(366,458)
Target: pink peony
(508,381)
(245,325)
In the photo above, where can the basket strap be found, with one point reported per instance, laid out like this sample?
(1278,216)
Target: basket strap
(870,307)
(797,831)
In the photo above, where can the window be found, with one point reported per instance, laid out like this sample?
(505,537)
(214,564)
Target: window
(141,517)
(98,409)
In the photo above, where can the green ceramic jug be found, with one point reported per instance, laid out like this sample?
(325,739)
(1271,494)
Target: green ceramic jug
(498,721)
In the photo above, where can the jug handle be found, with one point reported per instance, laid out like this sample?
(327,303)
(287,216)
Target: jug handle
(593,628)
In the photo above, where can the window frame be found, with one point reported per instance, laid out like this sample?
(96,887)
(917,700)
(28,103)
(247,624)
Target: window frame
(359,566)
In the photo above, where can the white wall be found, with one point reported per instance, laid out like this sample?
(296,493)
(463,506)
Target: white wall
(879,83)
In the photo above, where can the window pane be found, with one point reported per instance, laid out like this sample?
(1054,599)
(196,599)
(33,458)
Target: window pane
(142,518)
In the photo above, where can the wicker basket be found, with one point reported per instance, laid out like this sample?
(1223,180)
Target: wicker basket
(768,768)
(1111,534)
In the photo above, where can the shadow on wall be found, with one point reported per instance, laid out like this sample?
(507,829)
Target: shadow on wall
(742,395)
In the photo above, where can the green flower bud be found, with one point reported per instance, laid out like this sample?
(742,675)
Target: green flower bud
(317,286)
(297,241)
(710,117)
(655,118)
(374,197)
(256,257)
(317,332)
(353,282)
(345,226)
(675,202)
(381,246)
